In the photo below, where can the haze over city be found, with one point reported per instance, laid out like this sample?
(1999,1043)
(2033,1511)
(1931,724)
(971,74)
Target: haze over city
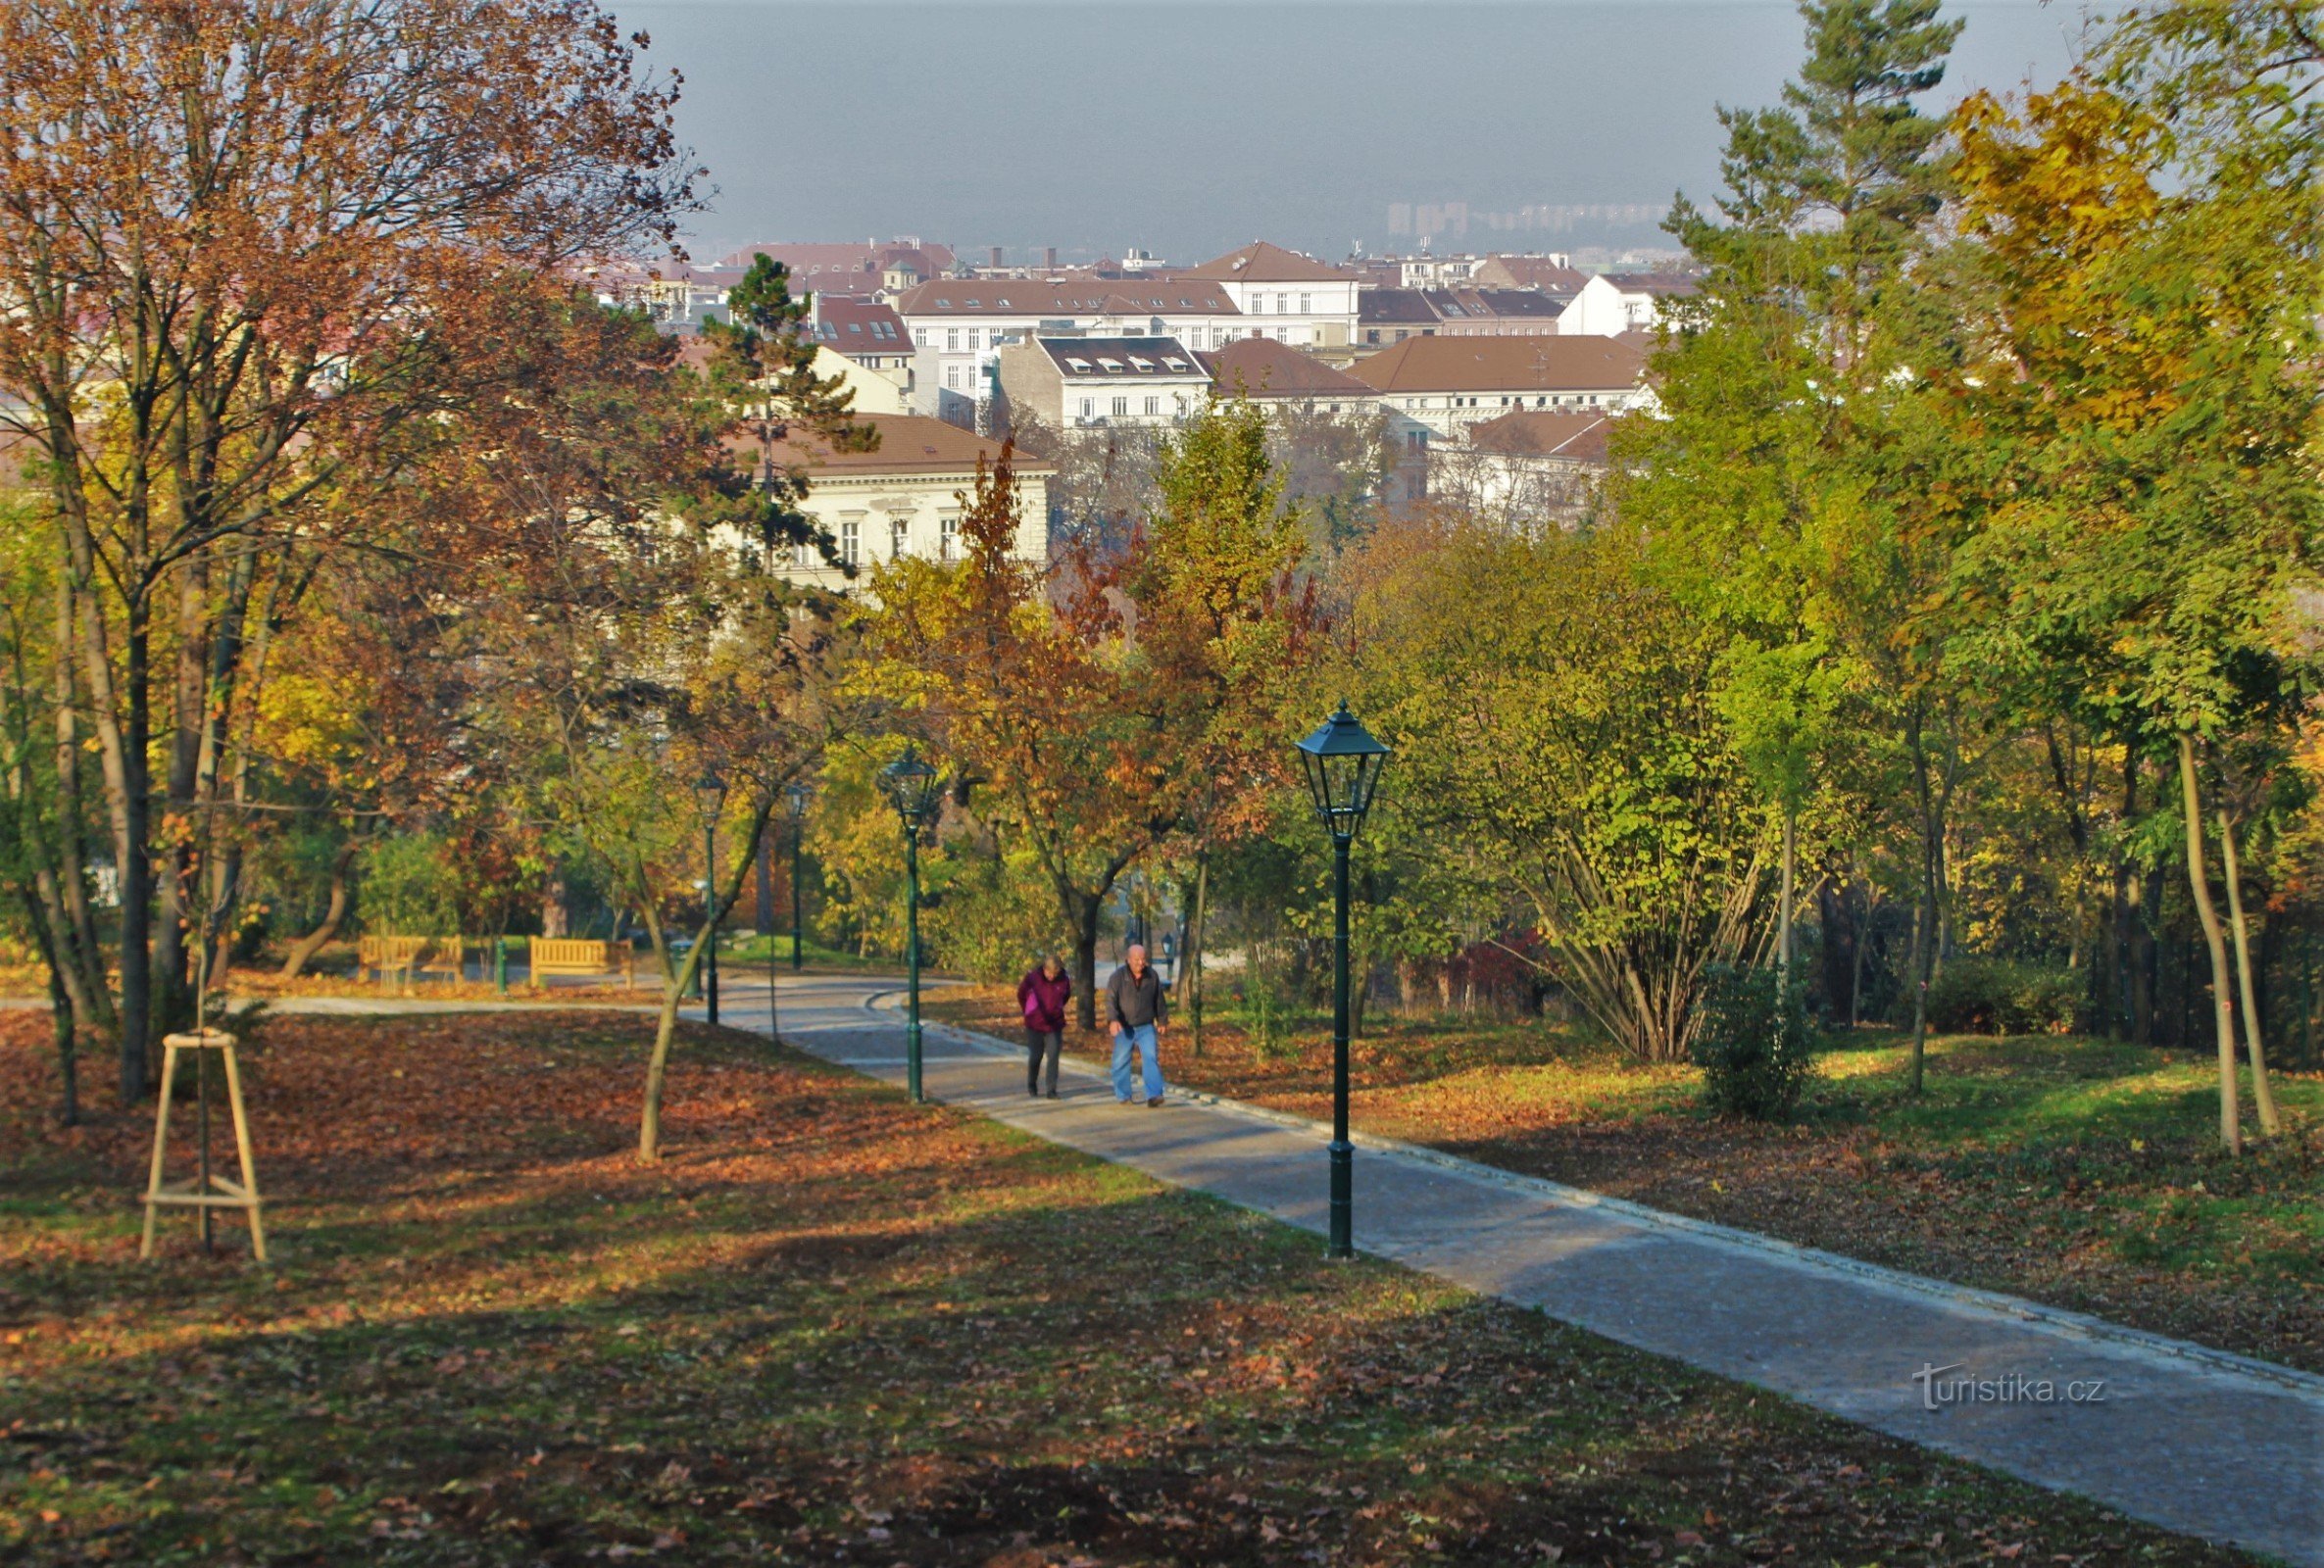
(1186,129)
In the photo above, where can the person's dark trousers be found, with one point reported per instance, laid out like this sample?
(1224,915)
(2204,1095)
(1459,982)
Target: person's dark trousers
(1038,1043)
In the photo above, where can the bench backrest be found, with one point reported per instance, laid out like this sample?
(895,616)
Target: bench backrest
(398,950)
(569,953)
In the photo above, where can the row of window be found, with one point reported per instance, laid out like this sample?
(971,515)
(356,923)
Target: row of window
(969,339)
(1543,401)
(851,543)
(1258,305)
(1122,408)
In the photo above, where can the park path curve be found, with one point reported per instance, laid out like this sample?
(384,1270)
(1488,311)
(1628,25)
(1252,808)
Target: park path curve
(2196,1439)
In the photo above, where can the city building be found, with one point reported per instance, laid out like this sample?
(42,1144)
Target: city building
(1065,383)
(1448,384)
(904,499)
(958,325)
(867,331)
(1553,274)
(1387,317)
(1643,294)
(1536,465)
(848,268)
(1276,374)
(1284,295)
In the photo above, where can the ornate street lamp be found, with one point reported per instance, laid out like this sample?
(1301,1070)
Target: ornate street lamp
(918,793)
(710,793)
(1343,764)
(798,795)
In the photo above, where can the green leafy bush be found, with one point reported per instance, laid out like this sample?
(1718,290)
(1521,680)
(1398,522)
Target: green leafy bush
(1755,1043)
(2004,997)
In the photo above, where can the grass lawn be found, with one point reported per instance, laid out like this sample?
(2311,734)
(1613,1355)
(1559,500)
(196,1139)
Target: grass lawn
(2074,1171)
(832,1328)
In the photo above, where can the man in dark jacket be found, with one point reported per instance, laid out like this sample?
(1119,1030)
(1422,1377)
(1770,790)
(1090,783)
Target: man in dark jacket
(1136,1009)
(1043,993)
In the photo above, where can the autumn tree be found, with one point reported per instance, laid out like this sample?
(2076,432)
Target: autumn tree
(1100,711)
(2149,237)
(1784,486)
(232,235)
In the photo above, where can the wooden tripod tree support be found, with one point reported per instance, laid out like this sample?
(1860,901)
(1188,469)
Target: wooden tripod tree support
(206,1189)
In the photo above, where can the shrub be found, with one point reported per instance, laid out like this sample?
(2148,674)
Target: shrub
(1754,1043)
(2003,997)
(1267,1020)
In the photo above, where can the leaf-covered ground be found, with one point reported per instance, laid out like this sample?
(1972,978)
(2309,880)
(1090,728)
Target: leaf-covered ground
(2078,1172)
(832,1328)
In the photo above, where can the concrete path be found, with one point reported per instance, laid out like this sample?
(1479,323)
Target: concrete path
(2195,1440)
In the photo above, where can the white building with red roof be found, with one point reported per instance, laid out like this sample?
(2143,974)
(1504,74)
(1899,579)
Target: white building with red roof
(1285,295)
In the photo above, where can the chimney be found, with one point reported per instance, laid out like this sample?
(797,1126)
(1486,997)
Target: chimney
(1049,258)
(996,258)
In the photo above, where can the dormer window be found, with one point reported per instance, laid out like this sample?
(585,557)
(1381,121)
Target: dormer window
(1078,366)
(1111,367)
(1137,363)
(1175,363)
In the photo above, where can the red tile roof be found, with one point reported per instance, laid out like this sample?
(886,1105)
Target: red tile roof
(1421,364)
(907,444)
(1018,296)
(1262,263)
(1261,367)
(1545,433)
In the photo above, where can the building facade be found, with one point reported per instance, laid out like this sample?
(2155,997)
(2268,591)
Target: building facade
(1283,295)
(903,500)
(1068,384)
(958,325)
(1448,384)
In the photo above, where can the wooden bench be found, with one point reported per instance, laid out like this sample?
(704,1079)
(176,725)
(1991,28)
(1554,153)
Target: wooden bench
(591,961)
(410,955)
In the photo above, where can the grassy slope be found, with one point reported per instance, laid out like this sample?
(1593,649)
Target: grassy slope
(834,1329)
(2074,1171)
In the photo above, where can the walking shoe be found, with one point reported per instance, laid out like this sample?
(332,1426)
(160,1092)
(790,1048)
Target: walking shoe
(1156,1100)
(1049,1095)
(1123,1100)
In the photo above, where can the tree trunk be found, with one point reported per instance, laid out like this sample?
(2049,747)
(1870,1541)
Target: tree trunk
(1085,960)
(303,952)
(1783,926)
(716,905)
(555,913)
(1924,927)
(185,837)
(1197,933)
(2199,882)
(2263,1095)
(68,1037)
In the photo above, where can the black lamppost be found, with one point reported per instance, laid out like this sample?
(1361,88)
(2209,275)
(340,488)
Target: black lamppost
(916,790)
(796,797)
(1343,763)
(710,791)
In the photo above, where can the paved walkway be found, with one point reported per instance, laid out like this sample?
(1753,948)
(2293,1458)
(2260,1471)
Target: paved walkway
(2193,1440)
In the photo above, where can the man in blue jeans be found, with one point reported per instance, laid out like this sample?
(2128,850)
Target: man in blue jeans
(1135,1011)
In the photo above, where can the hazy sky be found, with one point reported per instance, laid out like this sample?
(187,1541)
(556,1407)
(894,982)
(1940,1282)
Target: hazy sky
(1189,127)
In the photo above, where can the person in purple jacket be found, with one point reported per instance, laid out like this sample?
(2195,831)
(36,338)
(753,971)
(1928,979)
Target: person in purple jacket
(1043,993)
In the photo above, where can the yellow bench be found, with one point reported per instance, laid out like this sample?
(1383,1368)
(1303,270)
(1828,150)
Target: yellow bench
(384,956)
(592,961)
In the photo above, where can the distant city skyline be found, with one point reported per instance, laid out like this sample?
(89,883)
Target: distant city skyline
(1185,129)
